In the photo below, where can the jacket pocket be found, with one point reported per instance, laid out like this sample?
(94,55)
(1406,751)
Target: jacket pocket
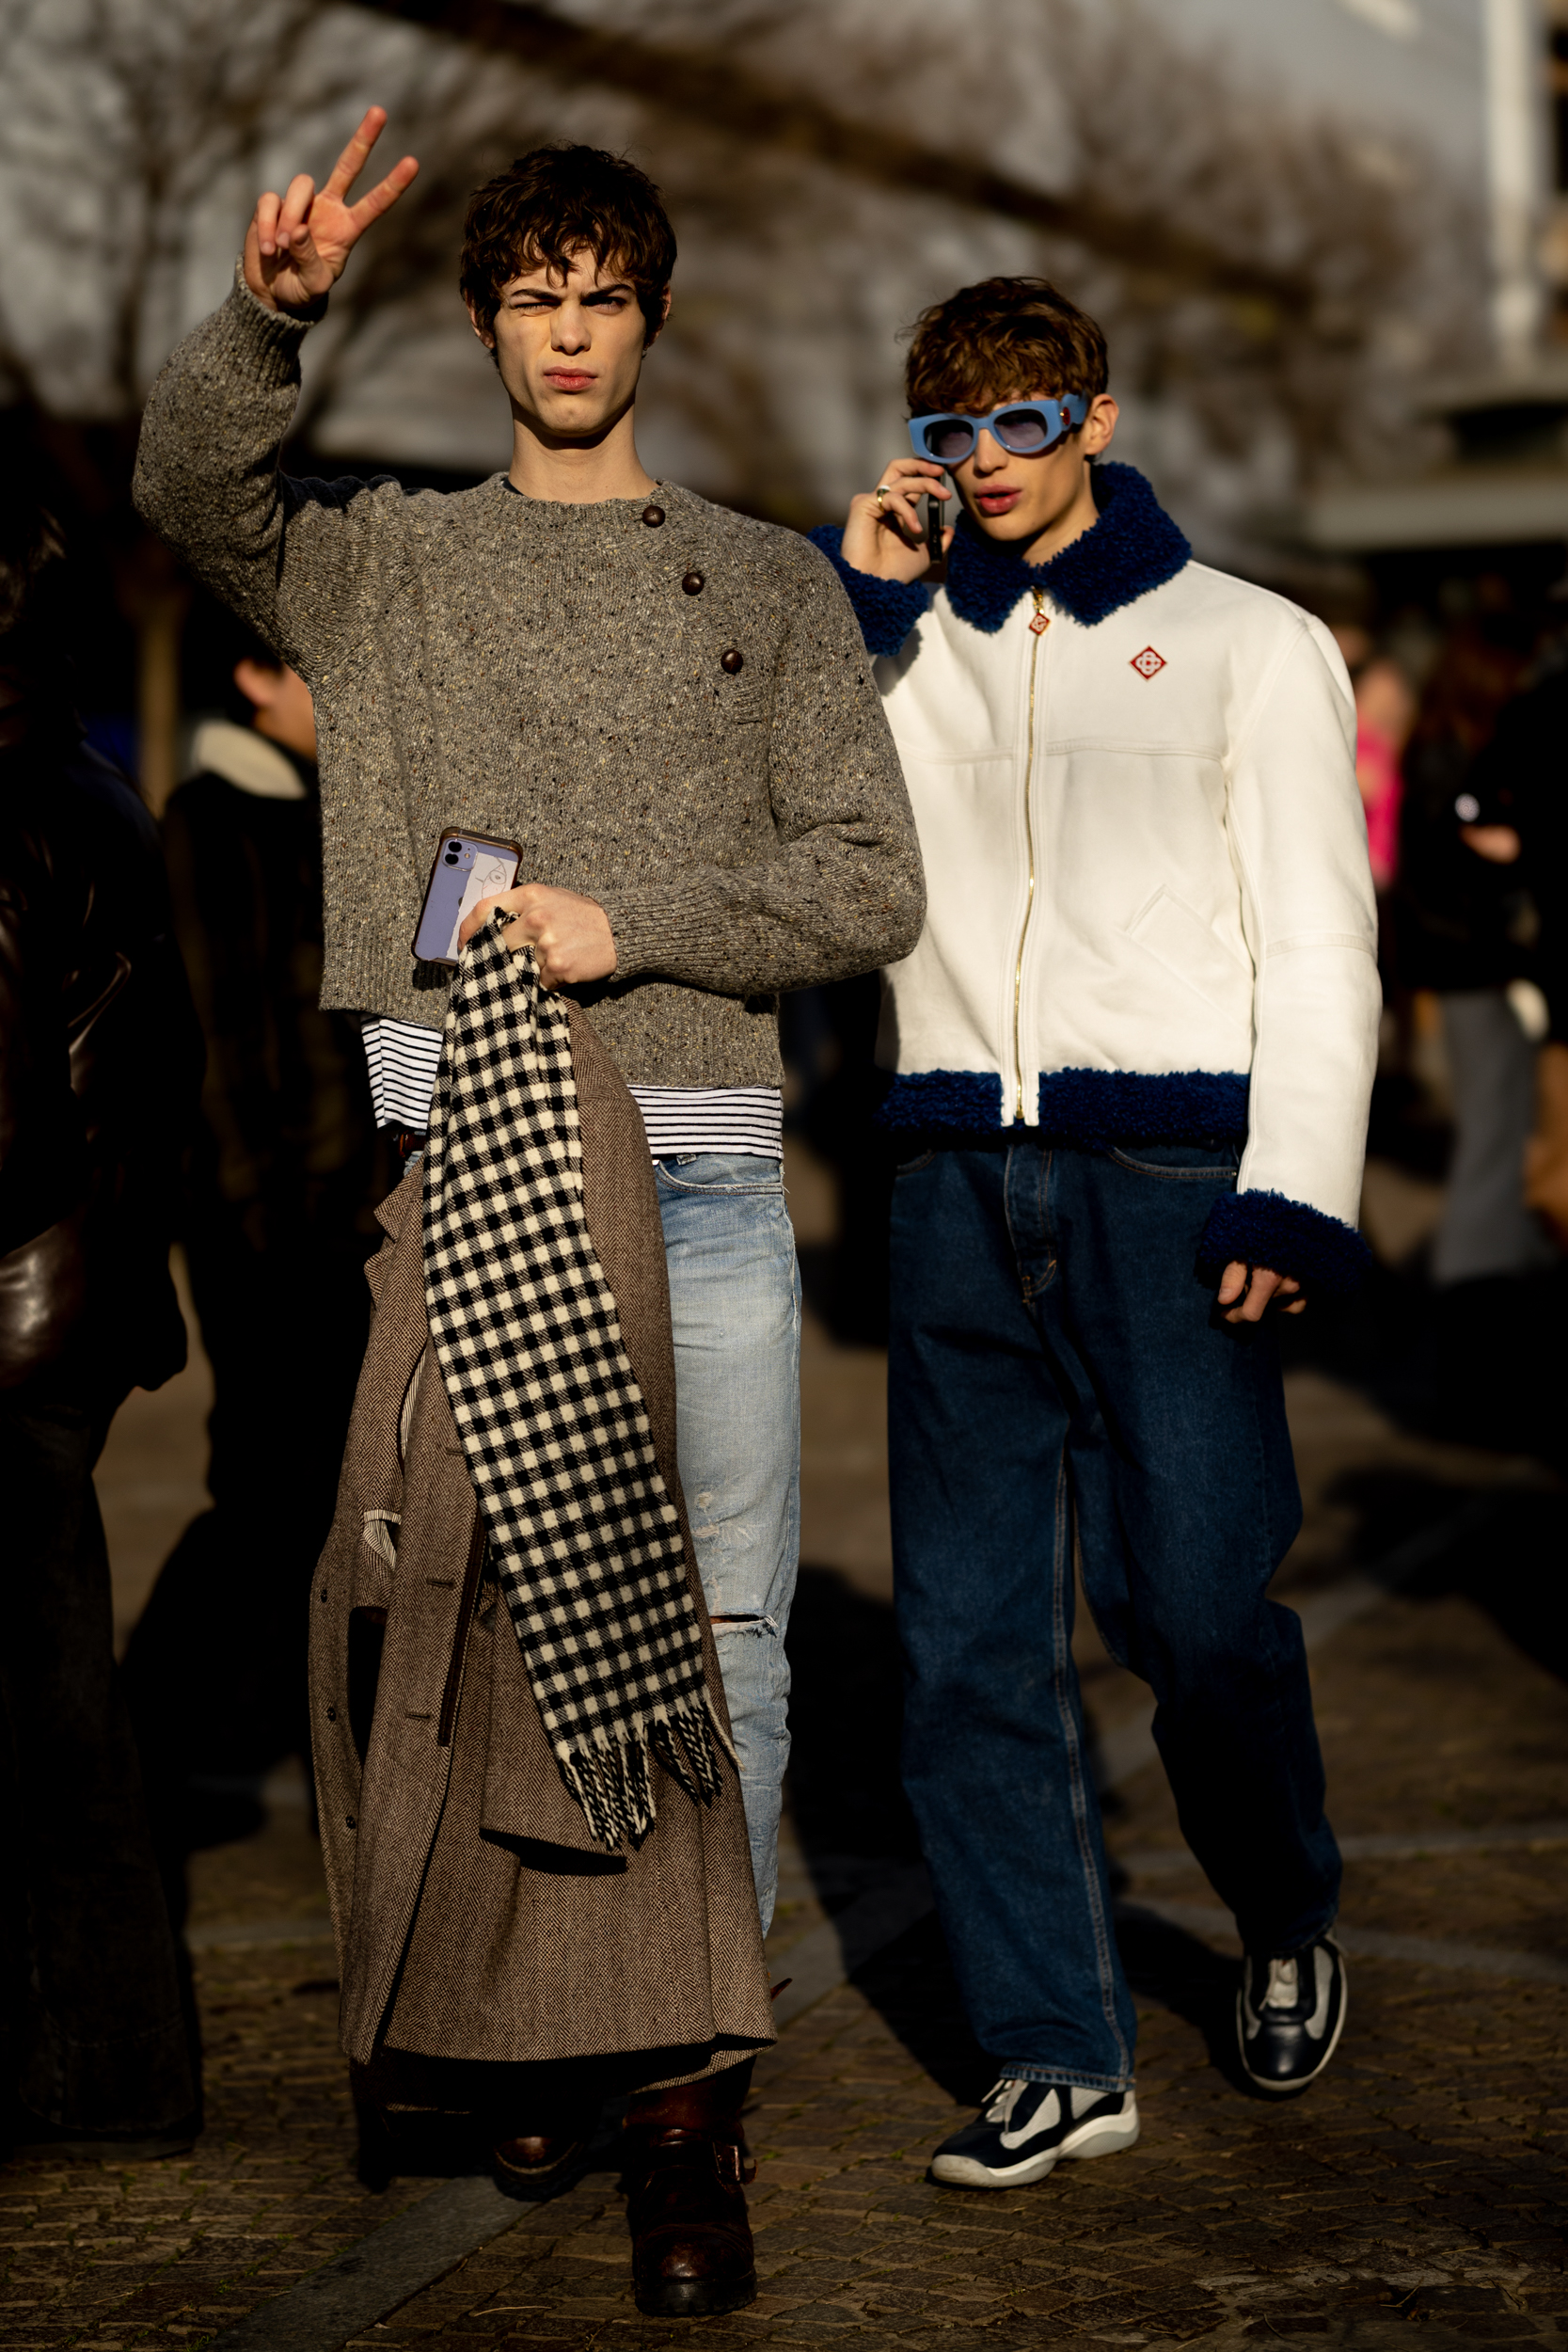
(1183,943)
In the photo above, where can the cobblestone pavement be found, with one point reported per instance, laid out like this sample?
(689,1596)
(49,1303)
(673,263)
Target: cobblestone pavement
(1420,2186)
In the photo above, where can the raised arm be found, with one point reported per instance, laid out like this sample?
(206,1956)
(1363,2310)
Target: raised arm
(292,557)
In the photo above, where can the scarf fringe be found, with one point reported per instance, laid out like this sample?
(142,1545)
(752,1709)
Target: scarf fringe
(611,1782)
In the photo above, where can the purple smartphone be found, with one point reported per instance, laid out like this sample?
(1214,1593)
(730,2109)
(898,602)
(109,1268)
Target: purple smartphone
(469,867)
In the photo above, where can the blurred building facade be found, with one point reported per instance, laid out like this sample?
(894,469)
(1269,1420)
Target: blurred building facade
(1489,512)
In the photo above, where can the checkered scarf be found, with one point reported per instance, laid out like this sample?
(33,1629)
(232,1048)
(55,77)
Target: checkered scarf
(584,1537)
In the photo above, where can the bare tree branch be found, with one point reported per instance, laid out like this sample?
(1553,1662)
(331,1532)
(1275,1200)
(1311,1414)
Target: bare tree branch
(707,86)
(1268,280)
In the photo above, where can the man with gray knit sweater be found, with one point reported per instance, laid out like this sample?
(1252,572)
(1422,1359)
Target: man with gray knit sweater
(669,707)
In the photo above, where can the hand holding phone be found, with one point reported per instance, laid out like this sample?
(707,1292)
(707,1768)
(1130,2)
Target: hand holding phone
(468,866)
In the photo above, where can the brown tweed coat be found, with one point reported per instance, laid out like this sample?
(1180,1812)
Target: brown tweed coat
(476,1918)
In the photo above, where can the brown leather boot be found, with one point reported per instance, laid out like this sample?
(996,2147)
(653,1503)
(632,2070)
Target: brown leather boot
(534,2165)
(537,2162)
(686,2168)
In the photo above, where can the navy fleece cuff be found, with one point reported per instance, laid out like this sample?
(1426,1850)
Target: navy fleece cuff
(1265,1229)
(886,610)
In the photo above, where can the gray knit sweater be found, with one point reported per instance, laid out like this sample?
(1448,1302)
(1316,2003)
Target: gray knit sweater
(548,674)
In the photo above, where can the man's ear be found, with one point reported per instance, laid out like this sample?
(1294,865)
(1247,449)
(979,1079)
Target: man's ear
(1099,424)
(652,334)
(257,681)
(483,327)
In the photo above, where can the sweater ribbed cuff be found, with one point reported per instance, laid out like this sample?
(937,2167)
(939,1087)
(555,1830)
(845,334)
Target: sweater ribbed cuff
(638,928)
(680,930)
(886,610)
(267,341)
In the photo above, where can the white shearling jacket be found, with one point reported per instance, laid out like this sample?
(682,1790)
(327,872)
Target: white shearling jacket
(1150,915)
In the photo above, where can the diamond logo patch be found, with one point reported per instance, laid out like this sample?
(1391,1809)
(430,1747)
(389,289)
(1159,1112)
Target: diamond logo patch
(1148,663)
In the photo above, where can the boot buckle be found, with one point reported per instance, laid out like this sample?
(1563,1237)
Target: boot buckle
(734,2167)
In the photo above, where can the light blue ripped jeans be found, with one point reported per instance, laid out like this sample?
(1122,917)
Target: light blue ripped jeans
(734,1300)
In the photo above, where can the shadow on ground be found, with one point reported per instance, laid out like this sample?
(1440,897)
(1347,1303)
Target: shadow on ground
(846,1716)
(845,1713)
(1481,1363)
(911,1986)
(1508,1563)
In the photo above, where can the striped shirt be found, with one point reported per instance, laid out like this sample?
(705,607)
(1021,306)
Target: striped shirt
(746,1121)
(402,1061)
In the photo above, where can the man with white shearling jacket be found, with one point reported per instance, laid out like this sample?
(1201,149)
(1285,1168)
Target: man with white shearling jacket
(1131,1055)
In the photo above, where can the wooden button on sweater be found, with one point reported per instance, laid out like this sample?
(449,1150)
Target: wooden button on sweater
(653,517)
(732,660)
(692,583)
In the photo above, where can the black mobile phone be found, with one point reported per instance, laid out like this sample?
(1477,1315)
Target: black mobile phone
(933,527)
(468,866)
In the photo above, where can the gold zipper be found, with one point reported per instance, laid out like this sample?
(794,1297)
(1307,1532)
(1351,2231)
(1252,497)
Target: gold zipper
(1039,625)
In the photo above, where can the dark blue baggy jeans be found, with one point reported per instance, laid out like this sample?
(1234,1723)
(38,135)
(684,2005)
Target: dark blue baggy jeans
(1059,1380)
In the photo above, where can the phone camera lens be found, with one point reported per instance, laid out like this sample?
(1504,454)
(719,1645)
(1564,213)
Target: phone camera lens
(450,858)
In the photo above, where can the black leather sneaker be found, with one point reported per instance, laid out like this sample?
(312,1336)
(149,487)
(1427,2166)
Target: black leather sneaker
(1025,2129)
(1289,2013)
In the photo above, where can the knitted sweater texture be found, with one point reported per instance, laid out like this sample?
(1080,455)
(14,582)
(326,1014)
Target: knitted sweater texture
(548,674)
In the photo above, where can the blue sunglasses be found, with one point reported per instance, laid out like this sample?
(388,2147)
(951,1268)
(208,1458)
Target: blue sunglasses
(1026,428)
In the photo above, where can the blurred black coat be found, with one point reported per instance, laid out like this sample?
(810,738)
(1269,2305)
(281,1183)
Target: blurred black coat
(285,1169)
(1460,922)
(283,1176)
(1521,779)
(99,1063)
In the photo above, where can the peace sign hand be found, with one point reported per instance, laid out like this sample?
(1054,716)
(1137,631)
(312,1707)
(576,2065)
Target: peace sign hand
(296,246)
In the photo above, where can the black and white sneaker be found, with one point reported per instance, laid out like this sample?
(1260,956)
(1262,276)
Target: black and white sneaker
(1025,2129)
(1289,2014)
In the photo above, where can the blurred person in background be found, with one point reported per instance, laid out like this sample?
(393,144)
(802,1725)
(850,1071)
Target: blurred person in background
(1546,1154)
(1133,1056)
(99,1063)
(1515,820)
(1464,929)
(1384,714)
(284,1174)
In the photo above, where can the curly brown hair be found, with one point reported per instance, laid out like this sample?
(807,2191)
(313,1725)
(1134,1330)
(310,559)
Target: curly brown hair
(553,203)
(1004,339)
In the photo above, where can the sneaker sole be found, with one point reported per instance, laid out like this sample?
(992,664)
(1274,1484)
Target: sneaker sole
(1299,2082)
(1108,2136)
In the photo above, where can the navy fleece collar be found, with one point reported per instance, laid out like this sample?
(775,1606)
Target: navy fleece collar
(1135,546)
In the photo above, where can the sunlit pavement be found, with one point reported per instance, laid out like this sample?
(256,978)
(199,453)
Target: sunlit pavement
(1420,2185)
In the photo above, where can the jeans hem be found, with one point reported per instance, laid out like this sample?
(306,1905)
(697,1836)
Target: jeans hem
(1299,1943)
(1021,2070)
